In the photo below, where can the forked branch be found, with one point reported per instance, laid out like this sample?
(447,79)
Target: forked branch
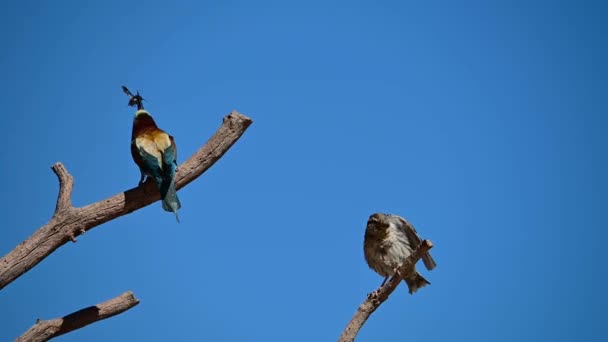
(69,222)
(376,298)
(45,330)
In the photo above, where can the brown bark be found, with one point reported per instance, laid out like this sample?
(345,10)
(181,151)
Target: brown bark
(68,222)
(45,330)
(376,298)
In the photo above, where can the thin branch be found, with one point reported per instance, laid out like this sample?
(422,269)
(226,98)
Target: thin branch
(376,298)
(66,225)
(45,330)
(66,184)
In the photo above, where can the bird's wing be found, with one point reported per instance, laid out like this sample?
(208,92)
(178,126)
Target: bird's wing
(161,139)
(170,152)
(166,146)
(126,91)
(136,154)
(174,147)
(150,154)
(415,240)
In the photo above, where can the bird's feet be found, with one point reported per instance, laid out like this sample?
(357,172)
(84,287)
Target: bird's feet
(142,180)
(373,295)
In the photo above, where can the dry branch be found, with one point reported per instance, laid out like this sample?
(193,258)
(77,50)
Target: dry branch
(45,330)
(376,298)
(66,184)
(68,222)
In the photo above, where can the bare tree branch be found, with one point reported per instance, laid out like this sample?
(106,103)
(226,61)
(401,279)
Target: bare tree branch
(69,222)
(66,184)
(376,298)
(45,330)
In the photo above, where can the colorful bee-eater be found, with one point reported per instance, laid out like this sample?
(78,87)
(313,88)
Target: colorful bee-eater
(155,152)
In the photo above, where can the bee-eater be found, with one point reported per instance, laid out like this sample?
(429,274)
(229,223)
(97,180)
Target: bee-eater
(155,152)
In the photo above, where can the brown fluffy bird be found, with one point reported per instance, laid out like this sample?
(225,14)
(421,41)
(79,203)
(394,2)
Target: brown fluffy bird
(389,240)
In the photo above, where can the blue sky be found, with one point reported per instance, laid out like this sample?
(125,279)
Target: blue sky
(483,123)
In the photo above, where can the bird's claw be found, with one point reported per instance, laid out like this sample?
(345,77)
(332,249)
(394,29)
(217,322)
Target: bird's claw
(142,180)
(372,295)
(398,272)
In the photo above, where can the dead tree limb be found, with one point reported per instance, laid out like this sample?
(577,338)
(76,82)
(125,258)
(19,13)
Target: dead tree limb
(45,330)
(68,222)
(376,298)
(66,184)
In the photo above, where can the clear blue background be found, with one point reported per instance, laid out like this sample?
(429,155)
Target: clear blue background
(483,123)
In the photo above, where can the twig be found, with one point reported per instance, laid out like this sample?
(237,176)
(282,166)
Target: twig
(45,330)
(376,298)
(66,184)
(68,222)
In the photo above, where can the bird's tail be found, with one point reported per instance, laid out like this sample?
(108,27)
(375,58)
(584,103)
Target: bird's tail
(169,197)
(415,282)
